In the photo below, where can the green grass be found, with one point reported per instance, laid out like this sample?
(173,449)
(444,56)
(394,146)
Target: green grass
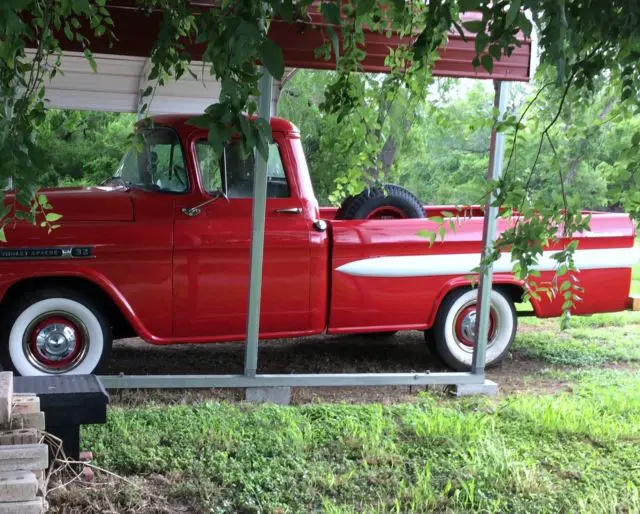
(574,451)
(545,453)
(586,346)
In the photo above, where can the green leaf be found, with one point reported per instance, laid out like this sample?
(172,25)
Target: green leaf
(364,7)
(468,5)
(487,63)
(635,140)
(334,42)
(425,233)
(272,58)
(287,10)
(482,40)
(330,12)
(264,138)
(513,11)
(42,199)
(474,26)
(495,52)
(3,237)
(52,216)
(399,4)
(203,121)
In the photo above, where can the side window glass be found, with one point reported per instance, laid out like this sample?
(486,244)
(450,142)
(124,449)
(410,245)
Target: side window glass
(209,165)
(240,171)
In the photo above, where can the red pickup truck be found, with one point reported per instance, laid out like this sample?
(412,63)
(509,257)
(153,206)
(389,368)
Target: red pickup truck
(161,251)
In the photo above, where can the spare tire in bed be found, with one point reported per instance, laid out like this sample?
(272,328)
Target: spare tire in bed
(386,202)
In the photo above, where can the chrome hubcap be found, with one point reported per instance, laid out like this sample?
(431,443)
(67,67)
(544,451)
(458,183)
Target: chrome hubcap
(468,326)
(56,341)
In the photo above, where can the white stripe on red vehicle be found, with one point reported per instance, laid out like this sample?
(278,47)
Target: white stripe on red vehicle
(464,263)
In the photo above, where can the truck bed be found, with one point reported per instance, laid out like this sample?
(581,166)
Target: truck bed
(385,276)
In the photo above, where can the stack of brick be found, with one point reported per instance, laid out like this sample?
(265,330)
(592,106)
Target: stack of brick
(23,459)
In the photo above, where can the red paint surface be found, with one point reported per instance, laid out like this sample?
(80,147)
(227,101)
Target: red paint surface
(181,279)
(137,31)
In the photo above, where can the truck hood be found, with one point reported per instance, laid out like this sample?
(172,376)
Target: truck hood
(91,203)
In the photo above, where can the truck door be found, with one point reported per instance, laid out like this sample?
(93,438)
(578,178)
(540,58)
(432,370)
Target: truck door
(211,256)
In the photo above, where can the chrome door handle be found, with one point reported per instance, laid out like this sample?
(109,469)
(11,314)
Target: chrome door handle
(289,210)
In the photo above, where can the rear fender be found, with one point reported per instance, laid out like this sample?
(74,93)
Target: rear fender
(459,282)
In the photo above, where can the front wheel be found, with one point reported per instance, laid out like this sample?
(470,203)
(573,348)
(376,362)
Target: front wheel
(453,334)
(55,332)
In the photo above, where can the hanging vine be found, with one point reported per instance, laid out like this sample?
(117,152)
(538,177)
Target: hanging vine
(581,41)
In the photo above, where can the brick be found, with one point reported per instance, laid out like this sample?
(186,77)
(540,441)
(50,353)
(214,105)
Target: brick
(18,486)
(20,436)
(26,404)
(6,395)
(37,506)
(24,457)
(87,474)
(28,420)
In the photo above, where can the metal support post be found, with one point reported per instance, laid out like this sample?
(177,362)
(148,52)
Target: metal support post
(494,172)
(257,236)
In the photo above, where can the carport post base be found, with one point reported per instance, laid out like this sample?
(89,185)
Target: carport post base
(277,395)
(488,388)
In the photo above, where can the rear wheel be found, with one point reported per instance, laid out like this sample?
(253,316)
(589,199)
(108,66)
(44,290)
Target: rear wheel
(387,202)
(55,332)
(453,334)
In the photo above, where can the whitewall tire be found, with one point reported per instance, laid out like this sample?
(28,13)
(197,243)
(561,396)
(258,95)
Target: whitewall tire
(54,333)
(454,330)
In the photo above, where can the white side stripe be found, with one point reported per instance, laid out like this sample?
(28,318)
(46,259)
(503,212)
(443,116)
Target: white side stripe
(462,264)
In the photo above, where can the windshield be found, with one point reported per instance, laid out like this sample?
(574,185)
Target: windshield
(157,166)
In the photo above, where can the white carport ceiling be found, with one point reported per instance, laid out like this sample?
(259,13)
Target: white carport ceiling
(117,83)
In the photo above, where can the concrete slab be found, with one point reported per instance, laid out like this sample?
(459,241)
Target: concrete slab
(20,436)
(37,506)
(24,457)
(40,476)
(277,395)
(18,486)
(26,404)
(28,420)
(488,388)
(6,396)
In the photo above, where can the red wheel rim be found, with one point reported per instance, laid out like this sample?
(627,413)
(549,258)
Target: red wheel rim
(387,212)
(56,342)
(464,326)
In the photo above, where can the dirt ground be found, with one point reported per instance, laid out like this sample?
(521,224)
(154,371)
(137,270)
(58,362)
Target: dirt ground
(404,352)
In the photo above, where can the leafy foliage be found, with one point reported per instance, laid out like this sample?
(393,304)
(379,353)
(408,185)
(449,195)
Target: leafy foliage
(581,42)
(82,147)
